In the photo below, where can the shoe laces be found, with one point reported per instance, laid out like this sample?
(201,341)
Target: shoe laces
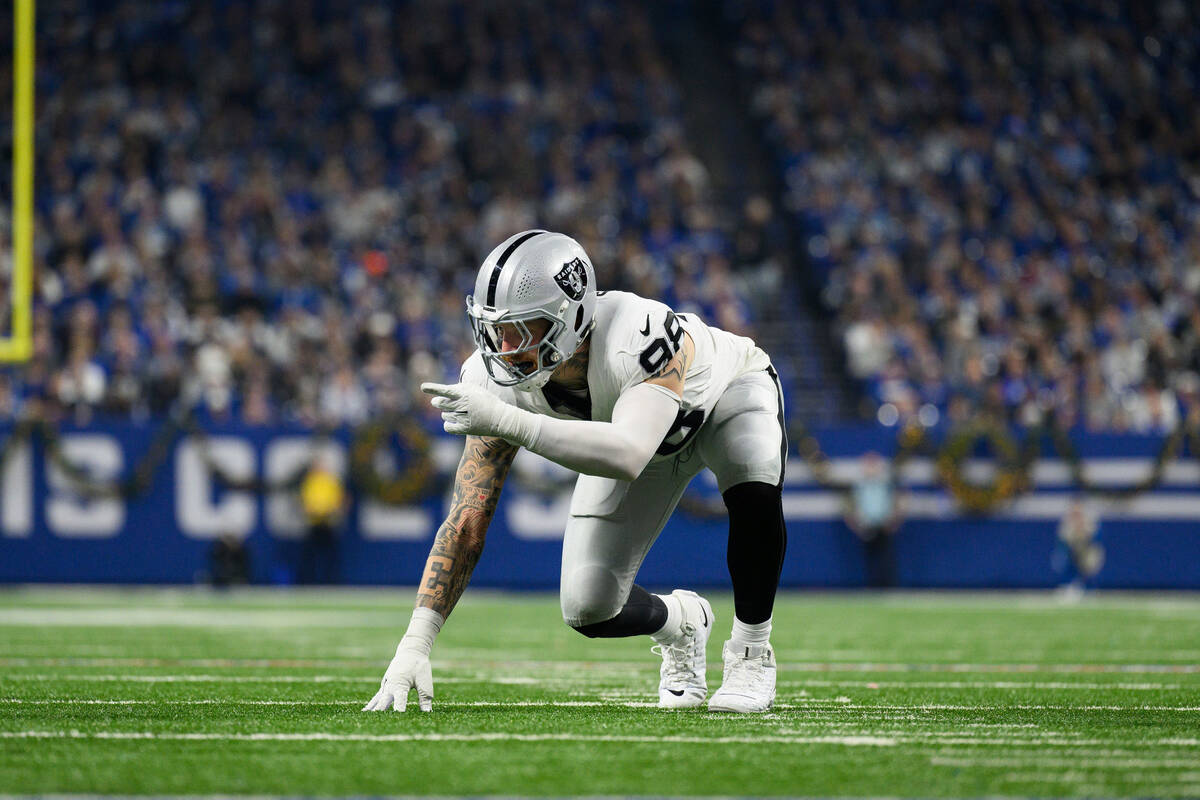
(679,659)
(742,673)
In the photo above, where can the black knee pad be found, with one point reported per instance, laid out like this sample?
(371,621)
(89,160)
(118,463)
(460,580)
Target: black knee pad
(754,499)
(597,630)
(643,613)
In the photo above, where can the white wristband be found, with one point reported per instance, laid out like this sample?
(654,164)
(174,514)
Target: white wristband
(423,628)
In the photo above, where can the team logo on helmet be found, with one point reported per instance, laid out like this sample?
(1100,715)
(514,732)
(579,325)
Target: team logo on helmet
(572,279)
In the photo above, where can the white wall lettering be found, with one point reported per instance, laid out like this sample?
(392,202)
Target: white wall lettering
(197,513)
(79,517)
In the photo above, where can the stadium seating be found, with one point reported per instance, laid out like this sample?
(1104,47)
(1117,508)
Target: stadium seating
(273,210)
(1001,199)
(1003,219)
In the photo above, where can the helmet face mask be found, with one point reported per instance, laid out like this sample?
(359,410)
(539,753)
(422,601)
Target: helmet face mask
(534,279)
(507,367)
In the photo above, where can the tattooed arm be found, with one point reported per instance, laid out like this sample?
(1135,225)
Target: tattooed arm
(459,541)
(455,551)
(670,376)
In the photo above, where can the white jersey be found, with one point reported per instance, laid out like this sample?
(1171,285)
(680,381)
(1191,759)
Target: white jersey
(632,339)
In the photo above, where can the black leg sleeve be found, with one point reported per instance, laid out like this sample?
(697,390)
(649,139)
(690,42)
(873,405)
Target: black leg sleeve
(757,542)
(643,613)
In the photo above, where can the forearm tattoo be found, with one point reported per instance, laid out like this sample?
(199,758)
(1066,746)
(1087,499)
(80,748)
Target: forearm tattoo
(459,541)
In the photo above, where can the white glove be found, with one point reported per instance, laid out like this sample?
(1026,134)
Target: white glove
(410,666)
(473,411)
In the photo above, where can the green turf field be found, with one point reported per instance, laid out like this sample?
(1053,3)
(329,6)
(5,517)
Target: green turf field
(182,692)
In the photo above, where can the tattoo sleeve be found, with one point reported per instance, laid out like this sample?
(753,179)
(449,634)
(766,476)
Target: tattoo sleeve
(459,541)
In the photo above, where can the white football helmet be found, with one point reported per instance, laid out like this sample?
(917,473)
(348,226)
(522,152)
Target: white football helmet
(532,275)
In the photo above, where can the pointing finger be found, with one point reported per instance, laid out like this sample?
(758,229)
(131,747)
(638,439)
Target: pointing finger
(439,389)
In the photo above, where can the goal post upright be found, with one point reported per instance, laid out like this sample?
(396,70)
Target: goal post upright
(17,345)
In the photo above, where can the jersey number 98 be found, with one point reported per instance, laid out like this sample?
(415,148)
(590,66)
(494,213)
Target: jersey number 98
(662,350)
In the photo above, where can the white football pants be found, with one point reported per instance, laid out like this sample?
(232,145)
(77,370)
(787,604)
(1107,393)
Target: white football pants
(613,523)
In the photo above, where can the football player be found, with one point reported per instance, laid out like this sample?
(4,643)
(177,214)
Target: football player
(637,399)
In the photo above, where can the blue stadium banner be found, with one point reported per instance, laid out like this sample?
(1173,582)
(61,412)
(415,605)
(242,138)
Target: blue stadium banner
(50,533)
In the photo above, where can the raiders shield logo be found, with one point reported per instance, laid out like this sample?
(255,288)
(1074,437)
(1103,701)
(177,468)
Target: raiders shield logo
(572,279)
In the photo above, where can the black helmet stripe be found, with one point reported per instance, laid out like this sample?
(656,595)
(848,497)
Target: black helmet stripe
(491,295)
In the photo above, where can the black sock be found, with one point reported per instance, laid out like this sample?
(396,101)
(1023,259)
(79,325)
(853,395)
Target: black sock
(643,613)
(757,542)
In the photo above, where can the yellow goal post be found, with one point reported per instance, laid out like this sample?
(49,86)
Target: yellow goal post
(17,344)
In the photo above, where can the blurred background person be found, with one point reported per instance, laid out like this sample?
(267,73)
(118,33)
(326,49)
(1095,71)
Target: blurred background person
(873,513)
(228,562)
(323,501)
(1078,555)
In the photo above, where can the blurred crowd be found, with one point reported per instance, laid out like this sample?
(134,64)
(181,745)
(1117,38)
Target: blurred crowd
(1002,199)
(274,210)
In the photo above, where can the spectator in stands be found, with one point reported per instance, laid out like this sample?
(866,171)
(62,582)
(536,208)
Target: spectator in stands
(241,235)
(1000,197)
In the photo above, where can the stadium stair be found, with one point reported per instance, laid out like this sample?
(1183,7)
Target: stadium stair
(797,334)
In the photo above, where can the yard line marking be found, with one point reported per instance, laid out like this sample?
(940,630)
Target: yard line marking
(531,681)
(1064,669)
(991,707)
(520,664)
(849,740)
(1008,762)
(352,703)
(545,680)
(293,663)
(273,619)
(1039,685)
(852,741)
(500,679)
(805,705)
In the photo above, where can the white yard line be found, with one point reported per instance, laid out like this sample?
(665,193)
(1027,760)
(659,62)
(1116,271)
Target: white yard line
(864,739)
(1048,685)
(806,706)
(871,741)
(995,707)
(554,680)
(500,679)
(273,619)
(1063,669)
(350,703)
(1068,763)
(530,664)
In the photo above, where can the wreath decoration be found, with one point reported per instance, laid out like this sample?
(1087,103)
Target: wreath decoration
(1012,471)
(410,484)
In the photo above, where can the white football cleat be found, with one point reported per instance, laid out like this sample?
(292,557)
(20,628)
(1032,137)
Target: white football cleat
(682,682)
(748,686)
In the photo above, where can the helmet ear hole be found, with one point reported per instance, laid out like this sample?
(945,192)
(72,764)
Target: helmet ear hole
(578,318)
